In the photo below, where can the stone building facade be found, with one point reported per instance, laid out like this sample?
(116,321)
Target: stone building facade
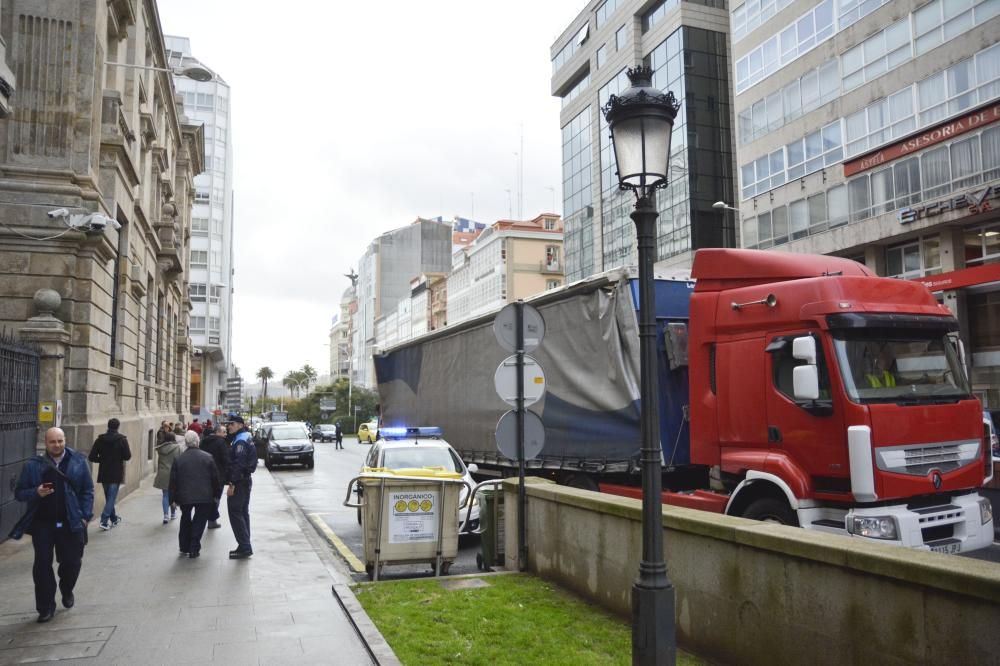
(97,134)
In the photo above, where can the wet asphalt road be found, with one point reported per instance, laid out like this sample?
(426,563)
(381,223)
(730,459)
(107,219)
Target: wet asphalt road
(320,493)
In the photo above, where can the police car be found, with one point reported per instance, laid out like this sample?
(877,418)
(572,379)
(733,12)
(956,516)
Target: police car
(419,448)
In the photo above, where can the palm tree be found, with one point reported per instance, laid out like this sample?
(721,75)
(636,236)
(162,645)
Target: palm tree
(309,373)
(290,382)
(265,374)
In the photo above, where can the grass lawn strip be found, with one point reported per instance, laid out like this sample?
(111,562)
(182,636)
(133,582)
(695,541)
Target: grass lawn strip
(518,619)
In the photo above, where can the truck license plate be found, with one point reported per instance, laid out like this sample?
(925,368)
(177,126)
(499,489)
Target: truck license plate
(948,548)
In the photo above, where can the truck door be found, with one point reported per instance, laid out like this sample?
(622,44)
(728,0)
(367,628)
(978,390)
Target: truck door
(811,432)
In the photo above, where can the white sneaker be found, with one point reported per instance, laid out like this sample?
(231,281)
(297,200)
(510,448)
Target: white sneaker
(166,519)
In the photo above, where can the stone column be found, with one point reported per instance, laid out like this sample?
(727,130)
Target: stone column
(49,335)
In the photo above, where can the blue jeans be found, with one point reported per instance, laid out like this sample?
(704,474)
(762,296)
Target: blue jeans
(166,501)
(110,496)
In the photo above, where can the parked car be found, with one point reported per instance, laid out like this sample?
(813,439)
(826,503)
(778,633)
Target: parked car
(368,433)
(323,432)
(288,444)
(411,449)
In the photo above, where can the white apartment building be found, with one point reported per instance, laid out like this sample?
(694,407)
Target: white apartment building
(211,258)
(871,129)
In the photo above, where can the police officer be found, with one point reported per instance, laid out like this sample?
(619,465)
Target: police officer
(242,464)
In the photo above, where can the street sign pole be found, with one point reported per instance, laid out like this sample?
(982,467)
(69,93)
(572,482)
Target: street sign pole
(522,547)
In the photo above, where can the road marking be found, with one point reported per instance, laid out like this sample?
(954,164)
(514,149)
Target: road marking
(352,560)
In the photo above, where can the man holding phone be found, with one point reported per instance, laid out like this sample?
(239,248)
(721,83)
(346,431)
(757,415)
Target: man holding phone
(59,492)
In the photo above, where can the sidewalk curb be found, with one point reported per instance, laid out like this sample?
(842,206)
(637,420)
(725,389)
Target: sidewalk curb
(376,645)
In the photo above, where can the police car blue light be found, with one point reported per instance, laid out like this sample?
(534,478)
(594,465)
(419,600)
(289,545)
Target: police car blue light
(403,432)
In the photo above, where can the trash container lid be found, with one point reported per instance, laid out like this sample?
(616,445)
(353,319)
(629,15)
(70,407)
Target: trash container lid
(421,472)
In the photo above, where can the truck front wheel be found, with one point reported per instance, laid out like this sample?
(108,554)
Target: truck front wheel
(771,510)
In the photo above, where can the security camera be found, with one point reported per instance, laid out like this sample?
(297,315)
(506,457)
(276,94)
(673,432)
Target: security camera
(97,222)
(57,213)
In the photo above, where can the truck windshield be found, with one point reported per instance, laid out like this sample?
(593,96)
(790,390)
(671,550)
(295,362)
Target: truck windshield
(900,366)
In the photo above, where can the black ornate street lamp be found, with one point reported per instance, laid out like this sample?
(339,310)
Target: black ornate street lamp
(641,121)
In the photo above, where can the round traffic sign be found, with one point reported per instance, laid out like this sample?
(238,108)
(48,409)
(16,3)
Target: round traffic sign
(505,327)
(505,381)
(534,435)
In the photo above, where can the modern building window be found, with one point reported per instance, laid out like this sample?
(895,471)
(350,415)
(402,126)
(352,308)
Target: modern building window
(850,12)
(813,152)
(602,56)
(752,14)
(962,86)
(214,324)
(883,51)
(582,84)
(552,284)
(199,258)
(605,11)
(201,196)
(984,321)
(621,38)
(215,293)
(941,20)
(576,163)
(568,51)
(792,41)
(197,292)
(914,259)
(982,245)
(199,225)
(198,323)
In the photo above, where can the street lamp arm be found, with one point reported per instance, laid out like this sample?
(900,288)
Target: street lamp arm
(195,73)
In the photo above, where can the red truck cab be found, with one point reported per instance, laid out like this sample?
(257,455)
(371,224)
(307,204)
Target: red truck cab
(825,396)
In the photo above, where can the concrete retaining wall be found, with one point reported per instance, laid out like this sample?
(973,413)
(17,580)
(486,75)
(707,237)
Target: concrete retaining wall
(756,593)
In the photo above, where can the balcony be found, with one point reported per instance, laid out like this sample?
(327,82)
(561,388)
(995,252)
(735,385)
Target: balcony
(552,266)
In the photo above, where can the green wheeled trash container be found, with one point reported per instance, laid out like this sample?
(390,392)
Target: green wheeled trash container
(491,538)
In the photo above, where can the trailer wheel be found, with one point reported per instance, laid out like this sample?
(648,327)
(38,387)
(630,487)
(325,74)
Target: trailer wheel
(771,510)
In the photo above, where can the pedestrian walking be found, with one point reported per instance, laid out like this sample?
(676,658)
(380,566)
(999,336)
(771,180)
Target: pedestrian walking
(59,492)
(179,431)
(110,451)
(165,455)
(164,433)
(195,426)
(339,435)
(239,471)
(208,430)
(194,485)
(215,445)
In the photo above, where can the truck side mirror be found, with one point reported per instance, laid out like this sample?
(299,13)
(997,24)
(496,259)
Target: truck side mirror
(804,349)
(805,382)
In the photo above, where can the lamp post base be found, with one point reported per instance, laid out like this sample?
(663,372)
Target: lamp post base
(654,641)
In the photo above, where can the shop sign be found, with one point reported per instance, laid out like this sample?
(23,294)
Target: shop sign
(964,277)
(944,132)
(975,202)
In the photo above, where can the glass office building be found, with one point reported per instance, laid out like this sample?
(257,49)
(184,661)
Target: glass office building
(589,65)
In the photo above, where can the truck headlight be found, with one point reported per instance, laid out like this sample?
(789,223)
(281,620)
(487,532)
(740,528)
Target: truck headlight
(985,510)
(874,527)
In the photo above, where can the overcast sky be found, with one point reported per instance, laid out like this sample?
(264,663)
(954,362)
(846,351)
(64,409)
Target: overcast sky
(352,118)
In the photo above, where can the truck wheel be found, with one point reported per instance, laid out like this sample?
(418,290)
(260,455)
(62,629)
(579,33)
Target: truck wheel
(770,510)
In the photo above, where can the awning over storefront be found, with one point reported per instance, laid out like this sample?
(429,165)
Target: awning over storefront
(966,277)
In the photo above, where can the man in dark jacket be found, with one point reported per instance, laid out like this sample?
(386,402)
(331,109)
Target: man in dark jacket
(111,451)
(60,495)
(194,485)
(242,464)
(215,444)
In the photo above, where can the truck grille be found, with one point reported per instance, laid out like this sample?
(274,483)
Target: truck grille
(920,459)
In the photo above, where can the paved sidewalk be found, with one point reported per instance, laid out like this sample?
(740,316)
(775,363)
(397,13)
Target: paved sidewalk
(137,602)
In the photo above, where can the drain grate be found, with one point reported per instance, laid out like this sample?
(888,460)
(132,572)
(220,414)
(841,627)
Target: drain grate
(51,644)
